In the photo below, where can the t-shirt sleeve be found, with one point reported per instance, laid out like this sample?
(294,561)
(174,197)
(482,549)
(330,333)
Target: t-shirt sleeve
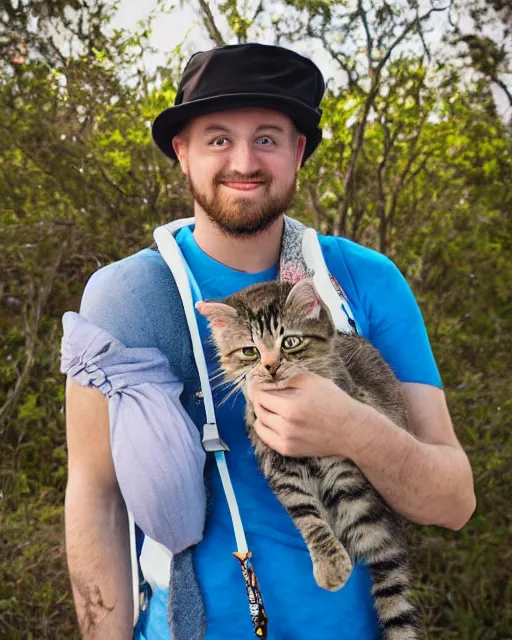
(396,326)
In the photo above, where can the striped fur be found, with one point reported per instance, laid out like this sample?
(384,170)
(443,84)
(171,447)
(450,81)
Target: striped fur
(340,515)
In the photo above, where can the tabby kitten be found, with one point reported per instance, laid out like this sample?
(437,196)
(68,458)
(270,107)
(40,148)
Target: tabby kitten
(273,331)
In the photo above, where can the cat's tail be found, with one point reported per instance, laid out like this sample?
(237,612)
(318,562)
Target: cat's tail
(391,590)
(376,537)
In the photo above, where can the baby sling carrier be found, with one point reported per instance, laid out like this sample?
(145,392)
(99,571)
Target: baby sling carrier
(301,257)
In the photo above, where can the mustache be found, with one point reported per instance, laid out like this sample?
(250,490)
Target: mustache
(235,176)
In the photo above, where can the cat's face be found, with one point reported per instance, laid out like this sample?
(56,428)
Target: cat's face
(271,332)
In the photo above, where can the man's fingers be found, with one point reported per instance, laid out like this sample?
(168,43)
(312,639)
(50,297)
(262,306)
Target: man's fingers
(266,386)
(295,382)
(298,381)
(280,385)
(269,437)
(277,402)
(266,401)
(267,417)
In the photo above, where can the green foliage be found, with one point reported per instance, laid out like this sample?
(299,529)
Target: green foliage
(486,38)
(415,163)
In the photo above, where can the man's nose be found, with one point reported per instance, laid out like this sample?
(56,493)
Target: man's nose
(244,158)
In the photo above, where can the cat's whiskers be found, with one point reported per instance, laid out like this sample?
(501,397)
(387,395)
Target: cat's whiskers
(237,386)
(219,375)
(225,380)
(229,395)
(218,378)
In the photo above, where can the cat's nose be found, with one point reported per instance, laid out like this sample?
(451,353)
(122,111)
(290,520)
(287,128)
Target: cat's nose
(272,369)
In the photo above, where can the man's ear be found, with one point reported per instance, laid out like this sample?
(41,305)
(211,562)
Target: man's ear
(301,146)
(180,145)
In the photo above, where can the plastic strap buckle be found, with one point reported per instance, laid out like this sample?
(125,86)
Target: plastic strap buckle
(212,442)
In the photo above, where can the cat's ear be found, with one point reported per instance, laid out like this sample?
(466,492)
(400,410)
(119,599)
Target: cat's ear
(218,314)
(303,300)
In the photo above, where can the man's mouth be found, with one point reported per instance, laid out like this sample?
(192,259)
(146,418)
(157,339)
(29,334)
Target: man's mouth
(243,186)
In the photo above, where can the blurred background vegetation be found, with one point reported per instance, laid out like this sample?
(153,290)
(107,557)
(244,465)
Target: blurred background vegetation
(416,163)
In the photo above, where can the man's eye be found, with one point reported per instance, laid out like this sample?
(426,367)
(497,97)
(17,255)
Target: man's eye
(265,141)
(249,353)
(220,142)
(292,342)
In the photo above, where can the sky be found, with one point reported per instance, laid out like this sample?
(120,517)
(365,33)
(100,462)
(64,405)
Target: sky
(169,31)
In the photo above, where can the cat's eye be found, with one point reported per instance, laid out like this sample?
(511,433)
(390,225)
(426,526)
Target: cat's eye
(249,353)
(292,343)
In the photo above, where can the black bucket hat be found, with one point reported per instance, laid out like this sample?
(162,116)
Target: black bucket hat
(246,75)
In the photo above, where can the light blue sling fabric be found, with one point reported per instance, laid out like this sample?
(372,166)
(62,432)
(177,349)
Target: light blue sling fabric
(144,408)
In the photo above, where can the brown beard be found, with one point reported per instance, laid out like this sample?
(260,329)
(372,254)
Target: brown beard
(243,216)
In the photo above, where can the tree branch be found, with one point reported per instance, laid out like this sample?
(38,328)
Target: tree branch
(209,23)
(369,41)
(352,76)
(259,9)
(356,148)
(409,26)
(501,84)
(413,155)
(370,99)
(315,206)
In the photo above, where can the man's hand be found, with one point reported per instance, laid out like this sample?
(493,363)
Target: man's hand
(424,475)
(306,416)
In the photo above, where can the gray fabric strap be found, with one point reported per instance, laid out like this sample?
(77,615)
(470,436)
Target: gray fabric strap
(185,608)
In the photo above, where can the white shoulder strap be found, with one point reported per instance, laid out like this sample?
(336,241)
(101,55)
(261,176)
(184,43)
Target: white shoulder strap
(171,253)
(212,442)
(314,258)
(154,556)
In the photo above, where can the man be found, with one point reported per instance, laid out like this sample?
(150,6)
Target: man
(244,121)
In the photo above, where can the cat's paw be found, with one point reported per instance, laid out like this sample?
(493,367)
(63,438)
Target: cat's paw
(331,573)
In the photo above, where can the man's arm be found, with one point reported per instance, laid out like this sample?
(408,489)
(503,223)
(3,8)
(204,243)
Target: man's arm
(97,537)
(425,475)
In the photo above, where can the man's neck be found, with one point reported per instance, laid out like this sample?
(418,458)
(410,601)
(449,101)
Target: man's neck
(248,254)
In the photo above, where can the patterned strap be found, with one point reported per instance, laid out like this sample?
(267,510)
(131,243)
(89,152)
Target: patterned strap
(328,288)
(302,257)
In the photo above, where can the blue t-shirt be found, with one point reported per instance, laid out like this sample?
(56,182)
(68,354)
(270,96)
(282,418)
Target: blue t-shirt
(126,300)
(296,606)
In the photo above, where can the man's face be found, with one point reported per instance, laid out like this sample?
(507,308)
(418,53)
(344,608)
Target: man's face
(241,166)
